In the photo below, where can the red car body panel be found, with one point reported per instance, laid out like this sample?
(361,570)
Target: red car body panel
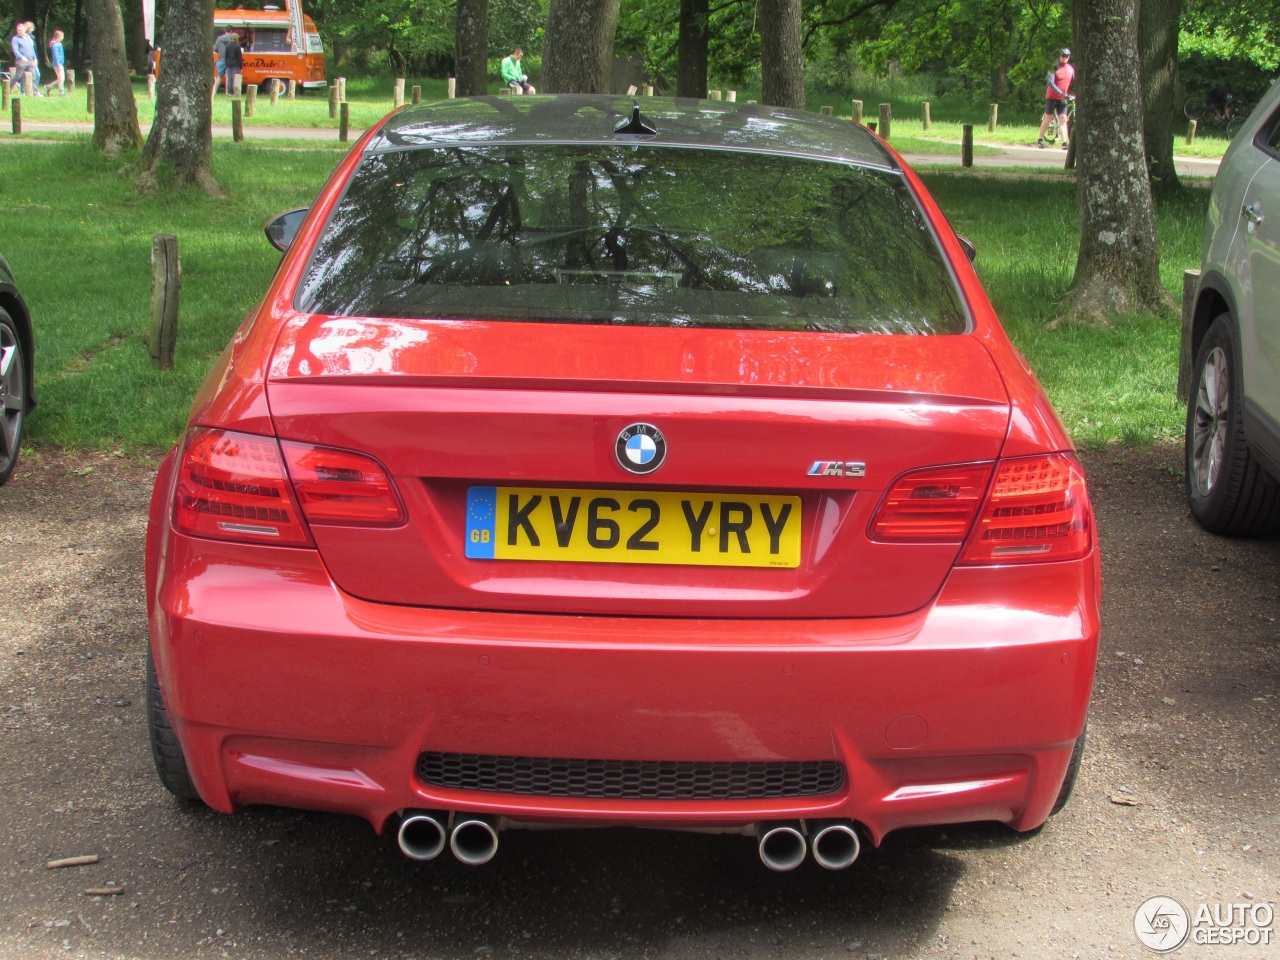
(316,677)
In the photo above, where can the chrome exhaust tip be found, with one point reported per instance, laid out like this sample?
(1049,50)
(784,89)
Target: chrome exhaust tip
(782,845)
(474,839)
(835,844)
(422,835)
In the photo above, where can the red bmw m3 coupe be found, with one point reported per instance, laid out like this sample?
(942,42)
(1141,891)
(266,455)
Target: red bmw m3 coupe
(594,464)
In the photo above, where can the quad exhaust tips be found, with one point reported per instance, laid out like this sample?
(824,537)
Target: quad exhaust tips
(424,834)
(783,846)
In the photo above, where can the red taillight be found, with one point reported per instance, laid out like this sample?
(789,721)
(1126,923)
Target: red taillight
(933,505)
(1038,510)
(338,486)
(233,486)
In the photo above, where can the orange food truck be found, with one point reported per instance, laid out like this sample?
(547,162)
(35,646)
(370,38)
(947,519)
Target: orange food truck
(279,44)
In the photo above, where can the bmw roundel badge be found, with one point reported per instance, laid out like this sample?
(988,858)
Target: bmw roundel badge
(641,448)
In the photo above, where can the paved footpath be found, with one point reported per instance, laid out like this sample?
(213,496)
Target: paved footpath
(1006,155)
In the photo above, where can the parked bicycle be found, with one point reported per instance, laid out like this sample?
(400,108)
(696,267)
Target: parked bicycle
(1220,110)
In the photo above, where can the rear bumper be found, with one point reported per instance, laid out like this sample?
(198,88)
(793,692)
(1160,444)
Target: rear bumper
(314,84)
(284,690)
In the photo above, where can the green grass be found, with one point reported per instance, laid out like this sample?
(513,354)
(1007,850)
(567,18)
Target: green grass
(78,236)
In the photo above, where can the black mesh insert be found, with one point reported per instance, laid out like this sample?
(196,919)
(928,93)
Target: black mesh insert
(632,779)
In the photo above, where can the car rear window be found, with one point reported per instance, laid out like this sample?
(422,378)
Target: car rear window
(632,235)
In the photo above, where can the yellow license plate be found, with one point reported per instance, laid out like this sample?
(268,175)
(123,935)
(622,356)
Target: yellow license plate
(632,526)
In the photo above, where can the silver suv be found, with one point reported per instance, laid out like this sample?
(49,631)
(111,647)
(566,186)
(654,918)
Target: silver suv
(1233,409)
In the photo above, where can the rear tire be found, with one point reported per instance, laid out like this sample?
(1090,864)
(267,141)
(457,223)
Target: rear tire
(166,751)
(1194,108)
(1051,131)
(13,395)
(1073,771)
(1227,490)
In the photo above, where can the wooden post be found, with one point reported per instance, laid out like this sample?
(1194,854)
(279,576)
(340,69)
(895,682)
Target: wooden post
(333,102)
(713,94)
(857,111)
(397,94)
(924,115)
(886,118)
(966,146)
(251,100)
(293,89)
(453,88)
(825,110)
(88,76)
(17,115)
(416,93)
(237,85)
(275,92)
(992,119)
(28,84)
(166,279)
(4,94)
(344,120)
(342,89)
(71,82)
(151,87)
(731,96)
(631,90)
(1191,133)
(648,90)
(88,97)
(237,121)
(1190,280)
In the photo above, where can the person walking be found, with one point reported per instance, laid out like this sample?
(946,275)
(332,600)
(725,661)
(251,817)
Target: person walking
(23,47)
(233,54)
(513,73)
(57,60)
(1057,98)
(220,51)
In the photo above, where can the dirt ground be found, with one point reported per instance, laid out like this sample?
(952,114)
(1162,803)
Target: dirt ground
(1177,794)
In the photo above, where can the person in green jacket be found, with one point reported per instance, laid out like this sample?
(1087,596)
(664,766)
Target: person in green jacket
(514,74)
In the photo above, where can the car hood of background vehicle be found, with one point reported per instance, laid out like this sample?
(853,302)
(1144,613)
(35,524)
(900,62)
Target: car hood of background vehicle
(446,405)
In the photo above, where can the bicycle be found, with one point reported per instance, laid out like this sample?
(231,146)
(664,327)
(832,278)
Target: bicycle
(1227,115)
(1051,132)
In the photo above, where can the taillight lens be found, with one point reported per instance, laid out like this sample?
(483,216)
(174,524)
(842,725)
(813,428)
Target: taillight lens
(233,486)
(338,486)
(1038,511)
(236,486)
(933,505)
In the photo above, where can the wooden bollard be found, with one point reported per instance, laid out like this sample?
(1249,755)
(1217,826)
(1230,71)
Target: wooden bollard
(237,85)
(151,87)
(17,115)
(88,97)
(416,94)
(713,94)
(994,118)
(250,99)
(342,89)
(237,121)
(166,279)
(1190,280)
(293,89)
(275,91)
(857,111)
(924,115)
(344,121)
(648,90)
(397,93)
(71,81)
(886,116)
(1191,133)
(453,88)
(731,96)
(28,84)
(333,102)
(4,94)
(825,110)
(631,90)
(966,145)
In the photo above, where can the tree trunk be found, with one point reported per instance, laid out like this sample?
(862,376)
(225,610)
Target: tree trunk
(180,137)
(1158,46)
(577,54)
(1117,269)
(781,56)
(691,60)
(471,48)
(115,114)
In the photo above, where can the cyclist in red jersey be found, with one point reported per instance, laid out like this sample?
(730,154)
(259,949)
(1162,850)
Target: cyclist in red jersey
(1057,97)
